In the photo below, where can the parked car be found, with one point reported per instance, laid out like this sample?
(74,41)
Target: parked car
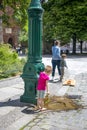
(64,49)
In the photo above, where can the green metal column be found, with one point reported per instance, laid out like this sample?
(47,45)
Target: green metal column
(34,63)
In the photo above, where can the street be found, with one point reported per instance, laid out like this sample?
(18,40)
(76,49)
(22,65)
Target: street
(15,115)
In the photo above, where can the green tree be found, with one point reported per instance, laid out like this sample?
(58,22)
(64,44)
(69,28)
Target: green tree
(65,20)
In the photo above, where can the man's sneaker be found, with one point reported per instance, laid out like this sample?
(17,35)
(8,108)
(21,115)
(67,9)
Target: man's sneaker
(52,78)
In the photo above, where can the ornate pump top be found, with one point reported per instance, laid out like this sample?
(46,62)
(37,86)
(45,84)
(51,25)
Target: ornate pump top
(35,4)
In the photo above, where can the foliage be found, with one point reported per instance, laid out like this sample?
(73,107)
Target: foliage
(9,61)
(19,11)
(62,18)
(23,37)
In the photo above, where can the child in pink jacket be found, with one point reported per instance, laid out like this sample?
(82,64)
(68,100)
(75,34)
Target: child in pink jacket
(42,86)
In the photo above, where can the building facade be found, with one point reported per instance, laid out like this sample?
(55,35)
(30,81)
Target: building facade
(9,34)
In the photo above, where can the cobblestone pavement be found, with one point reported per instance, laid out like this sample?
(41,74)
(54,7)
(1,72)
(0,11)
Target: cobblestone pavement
(14,114)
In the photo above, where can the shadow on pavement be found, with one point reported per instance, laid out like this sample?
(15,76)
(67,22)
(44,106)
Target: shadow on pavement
(14,102)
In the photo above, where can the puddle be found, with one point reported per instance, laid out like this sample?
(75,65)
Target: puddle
(74,96)
(60,103)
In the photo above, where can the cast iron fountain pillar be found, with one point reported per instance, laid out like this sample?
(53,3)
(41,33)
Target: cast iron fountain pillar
(34,63)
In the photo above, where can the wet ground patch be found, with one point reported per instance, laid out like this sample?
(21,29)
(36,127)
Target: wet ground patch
(60,103)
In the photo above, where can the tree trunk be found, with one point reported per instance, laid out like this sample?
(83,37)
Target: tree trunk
(1,27)
(1,31)
(81,42)
(74,43)
(0,3)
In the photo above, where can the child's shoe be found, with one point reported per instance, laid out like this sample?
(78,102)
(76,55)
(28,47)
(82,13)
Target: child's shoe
(43,109)
(36,108)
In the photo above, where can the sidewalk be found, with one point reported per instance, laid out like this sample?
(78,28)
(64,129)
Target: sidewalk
(15,114)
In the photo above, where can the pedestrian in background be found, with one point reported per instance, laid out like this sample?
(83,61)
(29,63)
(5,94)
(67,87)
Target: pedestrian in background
(62,65)
(42,86)
(56,58)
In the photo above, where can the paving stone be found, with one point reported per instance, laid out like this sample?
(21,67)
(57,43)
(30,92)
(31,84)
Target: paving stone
(62,91)
(19,123)
(8,92)
(5,110)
